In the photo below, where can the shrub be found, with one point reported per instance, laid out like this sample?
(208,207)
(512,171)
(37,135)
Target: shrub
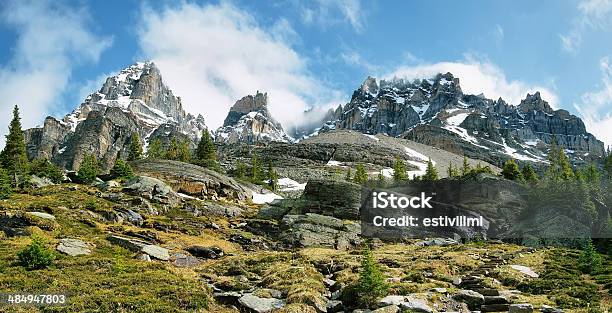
(122,169)
(88,171)
(35,256)
(43,168)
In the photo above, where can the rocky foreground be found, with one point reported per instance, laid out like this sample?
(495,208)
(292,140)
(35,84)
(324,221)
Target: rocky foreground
(195,242)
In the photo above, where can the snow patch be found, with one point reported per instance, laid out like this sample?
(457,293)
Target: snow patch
(288,184)
(261,198)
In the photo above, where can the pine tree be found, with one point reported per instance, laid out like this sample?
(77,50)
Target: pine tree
(511,171)
(122,169)
(173,150)
(361,176)
(184,153)
(272,177)
(560,167)
(399,171)
(155,150)
(372,284)
(14,157)
(530,175)
(348,176)
(135,152)
(5,184)
(241,170)
(431,173)
(591,175)
(89,169)
(206,152)
(256,170)
(465,169)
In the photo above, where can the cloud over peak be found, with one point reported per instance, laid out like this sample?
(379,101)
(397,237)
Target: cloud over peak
(213,55)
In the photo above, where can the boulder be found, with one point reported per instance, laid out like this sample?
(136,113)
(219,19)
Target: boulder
(152,189)
(314,230)
(140,246)
(156,252)
(334,306)
(521,308)
(39,182)
(74,247)
(256,304)
(205,252)
(527,271)
(472,298)
(340,199)
(184,260)
(438,242)
(387,309)
(192,180)
(42,215)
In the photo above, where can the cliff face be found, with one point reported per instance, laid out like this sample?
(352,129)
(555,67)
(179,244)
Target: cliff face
(135,101)
(249,121)
(436,112)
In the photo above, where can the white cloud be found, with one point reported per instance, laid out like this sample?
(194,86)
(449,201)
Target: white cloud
(477,77)
(595,105)
(593,14)
(213,55)
(352,57)
(51,40)
(328,12)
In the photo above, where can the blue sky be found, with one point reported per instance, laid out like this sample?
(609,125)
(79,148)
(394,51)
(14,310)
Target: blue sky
(307,53)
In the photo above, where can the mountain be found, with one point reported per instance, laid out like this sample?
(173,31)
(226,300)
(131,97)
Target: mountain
(436,112)
(249,121)
(135,101)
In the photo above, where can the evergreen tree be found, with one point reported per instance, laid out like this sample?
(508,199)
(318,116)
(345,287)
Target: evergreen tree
(89,169)
(44,168)
(589,261)
(431,173)
(155,150)
(399,171)
(206,152)
(372,283)
(241,170)
(135,152)
(14,157)
(560,167)
(452,172)
(256,170)
(591,175)
(173,150)
(465,169)
(530,175)
(511,171)
(348,176)
(608,164)
(361,176)
(272,177)
(5,184)
(184,153)
(122,169)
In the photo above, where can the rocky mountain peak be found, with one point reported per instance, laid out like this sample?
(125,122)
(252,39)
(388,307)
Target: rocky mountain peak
(250,103)
(249,121)
(135,100)
(436,112)
(370,86)
(535,102)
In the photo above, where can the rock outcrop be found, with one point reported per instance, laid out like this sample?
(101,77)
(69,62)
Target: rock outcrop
(249,121)
(193,180)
